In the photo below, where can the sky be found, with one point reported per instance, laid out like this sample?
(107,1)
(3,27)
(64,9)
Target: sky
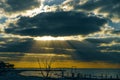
(81,33)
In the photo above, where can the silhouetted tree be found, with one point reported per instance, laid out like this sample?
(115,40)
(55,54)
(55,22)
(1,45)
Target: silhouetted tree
(46,64)
(4,67)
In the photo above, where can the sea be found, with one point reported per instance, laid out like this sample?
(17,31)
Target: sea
(74,72)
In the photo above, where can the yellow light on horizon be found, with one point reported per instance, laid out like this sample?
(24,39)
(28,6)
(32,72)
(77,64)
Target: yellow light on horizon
(65,64)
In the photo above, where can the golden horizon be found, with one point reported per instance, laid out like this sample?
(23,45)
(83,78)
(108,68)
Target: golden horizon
(65,64)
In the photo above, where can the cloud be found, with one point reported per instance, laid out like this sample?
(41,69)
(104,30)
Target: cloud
(61,22)
(19,5)
(57,24)
(3,20)
(94,52)
(87,50)
(8,56)
(53,2)
(14,44)
(108,8)
(106,45)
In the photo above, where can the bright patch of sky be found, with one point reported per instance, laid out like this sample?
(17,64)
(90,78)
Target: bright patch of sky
(2,20)
(115,25)
(53,2)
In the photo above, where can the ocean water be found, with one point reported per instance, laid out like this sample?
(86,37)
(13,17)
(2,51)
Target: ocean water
(94,73)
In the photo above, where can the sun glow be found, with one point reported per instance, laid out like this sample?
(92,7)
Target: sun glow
(51,38)
(48,38)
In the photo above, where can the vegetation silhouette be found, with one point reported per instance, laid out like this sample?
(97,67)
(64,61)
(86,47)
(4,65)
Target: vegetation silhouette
(5,67)
(46,70)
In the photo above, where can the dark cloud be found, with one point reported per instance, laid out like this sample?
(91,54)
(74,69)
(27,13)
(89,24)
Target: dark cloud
(57,24)
(14,44)
(8,56)
(103,40)
(110,44)
(18,5)
(30,46)
(89,50)
(86,50)
(62,24)
(111,7)
(53,2)
(107,8)
(116,32)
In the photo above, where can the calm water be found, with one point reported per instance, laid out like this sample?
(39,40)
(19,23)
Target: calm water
(92,72)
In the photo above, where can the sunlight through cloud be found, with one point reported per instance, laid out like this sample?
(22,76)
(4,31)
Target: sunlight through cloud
(47,38)
(51,38)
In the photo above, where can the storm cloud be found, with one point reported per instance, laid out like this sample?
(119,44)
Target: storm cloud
(57,24)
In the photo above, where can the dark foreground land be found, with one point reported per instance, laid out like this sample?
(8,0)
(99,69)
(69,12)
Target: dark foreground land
(8,72)
(16,76)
